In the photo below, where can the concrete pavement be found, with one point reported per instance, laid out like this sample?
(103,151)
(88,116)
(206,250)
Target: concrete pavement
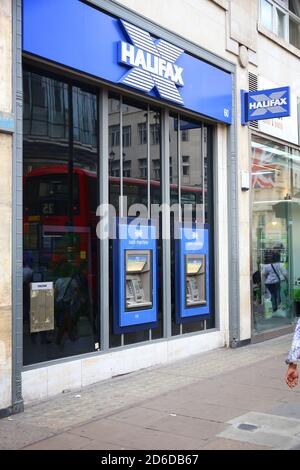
(224,399)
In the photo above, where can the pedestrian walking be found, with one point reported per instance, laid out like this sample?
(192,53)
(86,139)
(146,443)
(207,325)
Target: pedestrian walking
(292,375)
(273,273)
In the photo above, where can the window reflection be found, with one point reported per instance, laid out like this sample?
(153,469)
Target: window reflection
(189,187)
(191,167)
(135,166)
(60,199)
(45,121)
(156,198)
(174,199)
(114,106)
(275,233)
(138,181)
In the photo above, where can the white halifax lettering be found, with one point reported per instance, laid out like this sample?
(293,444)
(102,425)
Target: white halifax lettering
(268,103)
(135,57)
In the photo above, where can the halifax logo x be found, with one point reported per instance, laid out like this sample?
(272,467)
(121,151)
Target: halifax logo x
(273,103)
(153,64)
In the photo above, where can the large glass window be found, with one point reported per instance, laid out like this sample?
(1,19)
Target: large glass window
(294,32)
(294,7)
(275,234)
(133,177)
(266,14)
(282,19)
(190,157)
(281,23)
(61,189)
(61,313)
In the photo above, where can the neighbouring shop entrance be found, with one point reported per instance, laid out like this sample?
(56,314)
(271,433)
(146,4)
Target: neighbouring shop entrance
(275,234)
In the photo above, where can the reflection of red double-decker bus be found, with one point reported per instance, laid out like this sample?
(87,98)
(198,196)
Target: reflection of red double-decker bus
(136,191)
(60,213)
(58,197)
(55,197)
(60,226)
(60,210)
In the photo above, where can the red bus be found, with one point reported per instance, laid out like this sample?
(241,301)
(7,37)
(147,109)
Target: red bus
(60,211)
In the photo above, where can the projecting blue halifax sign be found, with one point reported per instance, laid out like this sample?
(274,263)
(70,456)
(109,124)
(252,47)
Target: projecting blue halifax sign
(83,38)
(265,104)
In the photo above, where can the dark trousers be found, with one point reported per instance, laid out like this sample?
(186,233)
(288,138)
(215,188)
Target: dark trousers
(274,290)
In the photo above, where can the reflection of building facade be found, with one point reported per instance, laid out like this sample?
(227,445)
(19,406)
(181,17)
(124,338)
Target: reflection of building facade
(46,121)
(78,137)
(135,149)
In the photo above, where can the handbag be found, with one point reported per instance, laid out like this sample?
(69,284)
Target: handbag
(268,310)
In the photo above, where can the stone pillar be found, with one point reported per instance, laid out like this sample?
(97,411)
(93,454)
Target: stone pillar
(5,207)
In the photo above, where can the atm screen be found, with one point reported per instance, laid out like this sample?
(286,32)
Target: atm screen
(138,280)
(136,263)
(195,280)
(193,266)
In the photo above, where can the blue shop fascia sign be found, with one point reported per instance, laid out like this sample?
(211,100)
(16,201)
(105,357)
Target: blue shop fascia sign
(119,52)
(265,104)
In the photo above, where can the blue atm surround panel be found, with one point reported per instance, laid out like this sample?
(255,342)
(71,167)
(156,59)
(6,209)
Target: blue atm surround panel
(135,277)
(192,274)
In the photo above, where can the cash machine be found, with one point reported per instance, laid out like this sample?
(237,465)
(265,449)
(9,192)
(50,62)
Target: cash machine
(192,273)
(195,279)
(135,286)
(138,279)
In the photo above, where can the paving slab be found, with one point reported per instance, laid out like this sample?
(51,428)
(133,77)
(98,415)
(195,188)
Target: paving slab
(138,414)
(214,412)
(136,437)
(267,372)
(188,426)
(230,444)
(196,409)
(14,436)
(265,421)
(240,396)
(64,441)
(264,429)
(288,410)
(102,445)
(266,439)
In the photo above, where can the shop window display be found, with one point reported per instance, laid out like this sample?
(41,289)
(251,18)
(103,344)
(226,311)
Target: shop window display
(275,234)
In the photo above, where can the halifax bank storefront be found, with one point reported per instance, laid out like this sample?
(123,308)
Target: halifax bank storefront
(116,110)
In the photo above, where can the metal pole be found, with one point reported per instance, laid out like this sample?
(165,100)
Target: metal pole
(166,242)
(121,175)
(179,163)
(17,222)
(104,199)
(203,154)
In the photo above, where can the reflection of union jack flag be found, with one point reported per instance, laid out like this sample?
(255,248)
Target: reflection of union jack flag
(263,170)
